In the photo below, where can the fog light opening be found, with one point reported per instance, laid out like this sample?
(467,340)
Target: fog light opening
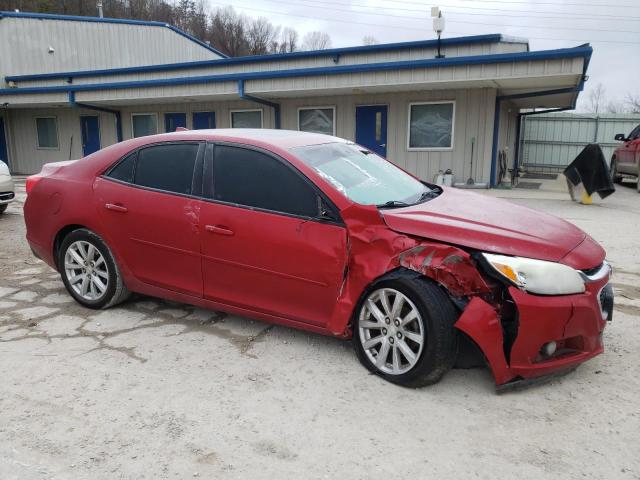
(548,349)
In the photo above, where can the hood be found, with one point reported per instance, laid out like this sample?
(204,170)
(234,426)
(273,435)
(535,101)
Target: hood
(480,222)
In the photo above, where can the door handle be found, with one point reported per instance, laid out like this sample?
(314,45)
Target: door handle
(219,230)
(116,208)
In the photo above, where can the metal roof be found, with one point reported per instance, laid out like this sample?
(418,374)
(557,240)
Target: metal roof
(584,52)
(331,52)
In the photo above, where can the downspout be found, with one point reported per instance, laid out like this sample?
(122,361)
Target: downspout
(116,113)
(275,106)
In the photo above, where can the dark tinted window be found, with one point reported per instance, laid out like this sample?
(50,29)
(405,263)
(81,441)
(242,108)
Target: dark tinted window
(167,167)
(124,170)
(254,179)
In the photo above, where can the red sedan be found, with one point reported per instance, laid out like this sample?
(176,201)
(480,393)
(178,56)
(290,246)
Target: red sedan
(318,233)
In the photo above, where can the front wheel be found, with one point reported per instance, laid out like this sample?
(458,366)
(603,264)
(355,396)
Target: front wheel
(3,207)
(89,271)
(615,177)
(404,331)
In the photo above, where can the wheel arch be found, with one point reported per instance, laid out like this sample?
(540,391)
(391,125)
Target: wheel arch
(59,238)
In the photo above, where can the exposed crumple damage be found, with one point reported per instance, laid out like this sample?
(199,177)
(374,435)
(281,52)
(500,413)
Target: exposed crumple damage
(447,265)
(374,250)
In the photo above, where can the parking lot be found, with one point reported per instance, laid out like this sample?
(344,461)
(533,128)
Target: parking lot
(153,389)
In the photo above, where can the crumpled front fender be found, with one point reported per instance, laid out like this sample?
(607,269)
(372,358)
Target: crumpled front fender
(375,249)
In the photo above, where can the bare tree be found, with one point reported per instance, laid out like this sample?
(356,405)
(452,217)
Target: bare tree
(597,99)
(288,41)
(228,32)
(632,102)
(316,41)
(369,40)
(260,36)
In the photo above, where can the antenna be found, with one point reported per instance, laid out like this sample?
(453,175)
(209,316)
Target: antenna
(438,26)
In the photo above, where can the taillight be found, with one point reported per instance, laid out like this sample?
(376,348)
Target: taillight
(31,182)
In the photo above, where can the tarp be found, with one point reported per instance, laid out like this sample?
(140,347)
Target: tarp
(591,169)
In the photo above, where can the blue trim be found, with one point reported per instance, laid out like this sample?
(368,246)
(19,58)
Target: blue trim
(122,21)
(77,18)
(313,71)
(118,115)
(275,106)
(334,53)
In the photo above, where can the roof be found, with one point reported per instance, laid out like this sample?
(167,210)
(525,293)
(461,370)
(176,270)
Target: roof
(250,59)
(583,51)
(123,21)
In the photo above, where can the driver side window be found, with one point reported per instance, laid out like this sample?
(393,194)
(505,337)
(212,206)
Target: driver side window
(254,179)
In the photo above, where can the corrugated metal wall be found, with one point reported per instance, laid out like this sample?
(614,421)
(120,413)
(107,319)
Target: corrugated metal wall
(473,119)
(552,141)
(25,42)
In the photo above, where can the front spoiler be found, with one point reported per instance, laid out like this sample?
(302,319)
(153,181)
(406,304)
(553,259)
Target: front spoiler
(521,383)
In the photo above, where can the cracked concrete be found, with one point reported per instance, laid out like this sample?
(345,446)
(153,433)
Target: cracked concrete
(158,390)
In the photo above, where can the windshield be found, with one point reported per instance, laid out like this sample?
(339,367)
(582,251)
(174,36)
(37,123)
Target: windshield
(363,176)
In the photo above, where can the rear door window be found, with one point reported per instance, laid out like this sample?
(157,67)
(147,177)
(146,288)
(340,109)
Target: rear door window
(167,167)
(254,179)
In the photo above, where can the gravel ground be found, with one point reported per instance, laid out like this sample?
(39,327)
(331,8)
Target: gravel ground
(154,390)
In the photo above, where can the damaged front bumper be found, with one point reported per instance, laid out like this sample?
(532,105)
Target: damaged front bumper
(552,334)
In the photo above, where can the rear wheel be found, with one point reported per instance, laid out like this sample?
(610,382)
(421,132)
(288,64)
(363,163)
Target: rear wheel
(89,271)
(404,331)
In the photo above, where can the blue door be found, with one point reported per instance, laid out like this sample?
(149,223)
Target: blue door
(204,120)
(174,120)
(371,128)
(90,127)
(3,143)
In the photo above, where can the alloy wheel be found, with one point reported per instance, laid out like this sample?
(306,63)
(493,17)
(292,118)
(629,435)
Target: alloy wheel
(86,270)
(391,331)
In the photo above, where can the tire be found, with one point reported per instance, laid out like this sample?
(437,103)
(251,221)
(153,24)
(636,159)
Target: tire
(615,178)
(100,270)
(435,313)
(3,207)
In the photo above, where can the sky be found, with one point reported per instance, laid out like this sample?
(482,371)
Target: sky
(612,27)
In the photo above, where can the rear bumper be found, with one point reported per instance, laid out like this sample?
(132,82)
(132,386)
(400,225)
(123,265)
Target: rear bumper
(7,189)
(574,322)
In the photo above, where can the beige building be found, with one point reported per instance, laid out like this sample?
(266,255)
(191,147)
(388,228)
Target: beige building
(424,113)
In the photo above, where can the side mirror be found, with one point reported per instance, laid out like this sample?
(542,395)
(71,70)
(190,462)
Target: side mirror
(620,137)
(325,212)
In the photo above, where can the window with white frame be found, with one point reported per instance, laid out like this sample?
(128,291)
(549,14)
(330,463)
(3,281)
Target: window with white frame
(47,132)
(246,118)
(431,125)
(317,120)
(143,124)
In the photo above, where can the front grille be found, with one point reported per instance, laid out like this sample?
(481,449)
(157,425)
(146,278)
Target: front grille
(597,273)
(606,302)
(7,196)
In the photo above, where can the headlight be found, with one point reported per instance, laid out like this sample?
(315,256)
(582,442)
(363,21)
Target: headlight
(4,169)
(536,276)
